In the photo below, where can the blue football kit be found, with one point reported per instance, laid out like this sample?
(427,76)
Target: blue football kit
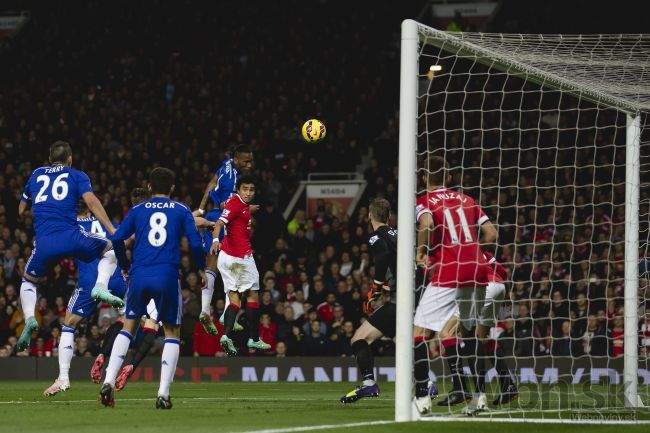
(81,302)
(158,224)
(226,186)
(55,192)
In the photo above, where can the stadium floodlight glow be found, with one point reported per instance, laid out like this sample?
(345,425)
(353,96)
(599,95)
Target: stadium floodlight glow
(544,131)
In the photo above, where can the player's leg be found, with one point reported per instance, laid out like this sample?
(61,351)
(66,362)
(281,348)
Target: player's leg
(149,332)
(28,297)
(107,347)
(120,349)
(66,351)
(35,268)
(206,294)
(494,295)
(136,303)
(450,342)
(229,321)
(88,247)
(117,287)
(361,341)
(250,279)
(169,360)
(230,269)
(470,302)
(237,327)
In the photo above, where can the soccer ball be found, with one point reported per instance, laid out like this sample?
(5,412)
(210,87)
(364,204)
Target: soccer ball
(313,131)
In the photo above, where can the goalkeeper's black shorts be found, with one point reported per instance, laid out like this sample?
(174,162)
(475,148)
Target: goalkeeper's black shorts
(383,318)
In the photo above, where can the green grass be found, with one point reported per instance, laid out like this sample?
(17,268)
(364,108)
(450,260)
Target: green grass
(229,407)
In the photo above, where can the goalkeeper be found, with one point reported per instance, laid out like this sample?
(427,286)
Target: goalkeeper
(383,245)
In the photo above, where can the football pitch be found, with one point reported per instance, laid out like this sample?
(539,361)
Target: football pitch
(234,407)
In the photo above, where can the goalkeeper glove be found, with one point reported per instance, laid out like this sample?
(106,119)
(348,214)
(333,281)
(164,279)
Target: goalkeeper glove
(374,293)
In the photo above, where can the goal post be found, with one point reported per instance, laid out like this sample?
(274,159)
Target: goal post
(405,225)
(499,108)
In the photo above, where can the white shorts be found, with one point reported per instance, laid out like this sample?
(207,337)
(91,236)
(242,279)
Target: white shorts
(239,275)
(470,301)
(494,294)
(436,307)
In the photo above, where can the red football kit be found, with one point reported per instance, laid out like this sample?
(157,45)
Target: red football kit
(236,216)
(457,257)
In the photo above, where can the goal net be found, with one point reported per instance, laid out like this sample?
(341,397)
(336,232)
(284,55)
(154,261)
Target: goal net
(548,134)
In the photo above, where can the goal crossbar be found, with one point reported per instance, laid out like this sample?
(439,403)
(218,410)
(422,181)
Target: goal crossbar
(463,45)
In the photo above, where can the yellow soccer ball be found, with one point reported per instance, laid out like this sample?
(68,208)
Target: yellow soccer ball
(313,131)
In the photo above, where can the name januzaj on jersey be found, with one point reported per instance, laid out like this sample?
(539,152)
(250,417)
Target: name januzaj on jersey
(447,196)
(159,205)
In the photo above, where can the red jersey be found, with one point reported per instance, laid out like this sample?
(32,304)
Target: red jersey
(457,257)
(496,273)
(236,216)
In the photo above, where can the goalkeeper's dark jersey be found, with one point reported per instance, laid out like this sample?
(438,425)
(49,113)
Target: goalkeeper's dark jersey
(383,246)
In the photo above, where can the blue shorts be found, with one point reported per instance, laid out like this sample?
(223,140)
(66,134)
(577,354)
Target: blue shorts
(70,243)
(82,304)
(160,284)
(212,215)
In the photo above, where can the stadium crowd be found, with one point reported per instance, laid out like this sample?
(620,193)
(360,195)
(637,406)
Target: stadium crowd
(153,98)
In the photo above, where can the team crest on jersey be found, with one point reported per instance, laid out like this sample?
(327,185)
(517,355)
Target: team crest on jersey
(373,239)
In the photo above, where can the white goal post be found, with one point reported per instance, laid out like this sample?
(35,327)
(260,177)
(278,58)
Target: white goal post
(610,71)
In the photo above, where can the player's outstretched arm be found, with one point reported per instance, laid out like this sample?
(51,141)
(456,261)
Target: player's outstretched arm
(204,201)
(489,235)
(425,225)
(124,232)
(22,207)
(98,210)
(214,248)
(195,241)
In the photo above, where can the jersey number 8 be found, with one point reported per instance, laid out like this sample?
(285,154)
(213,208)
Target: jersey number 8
(157,233)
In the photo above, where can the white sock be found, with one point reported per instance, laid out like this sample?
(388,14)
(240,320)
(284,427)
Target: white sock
(120,347)
(105,269)
(368,382)
(66,346)
(28,298)
(207,292)
(168,365)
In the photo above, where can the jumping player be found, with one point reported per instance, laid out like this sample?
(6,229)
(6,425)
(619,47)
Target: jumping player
(81,304)
(237,265)
(158,224)
(218,191)
(450,221)
(54,192)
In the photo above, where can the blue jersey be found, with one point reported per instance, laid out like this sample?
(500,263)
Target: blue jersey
(88,271)
(81,302)
(159,224)
(55,192)
(226,184)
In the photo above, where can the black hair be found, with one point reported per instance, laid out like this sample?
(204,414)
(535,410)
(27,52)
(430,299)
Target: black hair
(241,148)
(161,180)
(60,151)
(138,195)
(82,208)
(245,178)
